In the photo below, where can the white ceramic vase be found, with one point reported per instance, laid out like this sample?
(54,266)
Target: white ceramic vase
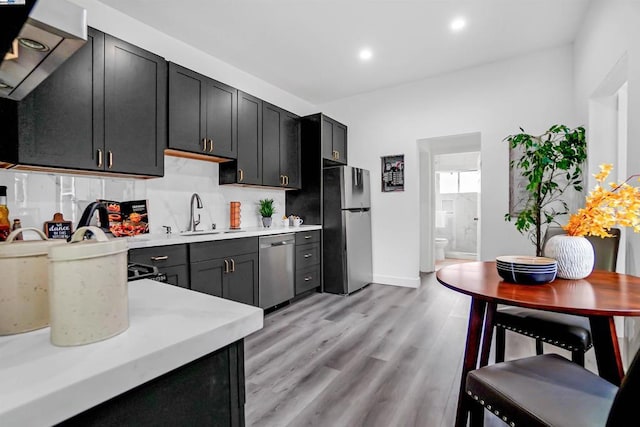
(574,255)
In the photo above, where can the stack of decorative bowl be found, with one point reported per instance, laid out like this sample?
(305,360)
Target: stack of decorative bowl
(527,270)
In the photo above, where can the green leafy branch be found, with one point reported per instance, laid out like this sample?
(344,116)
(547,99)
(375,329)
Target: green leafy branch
(551,163)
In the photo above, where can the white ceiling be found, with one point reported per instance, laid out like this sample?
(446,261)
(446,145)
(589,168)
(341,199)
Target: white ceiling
(310,47)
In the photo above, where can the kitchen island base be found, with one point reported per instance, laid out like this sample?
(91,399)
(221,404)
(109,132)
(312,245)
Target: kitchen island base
(208,391)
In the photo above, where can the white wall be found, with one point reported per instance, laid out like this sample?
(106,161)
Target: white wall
(532,91)
(608,46)
(114,22)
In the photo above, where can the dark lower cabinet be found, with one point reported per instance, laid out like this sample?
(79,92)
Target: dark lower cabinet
(171,260)
(226,269)
(308,261)
(209,391)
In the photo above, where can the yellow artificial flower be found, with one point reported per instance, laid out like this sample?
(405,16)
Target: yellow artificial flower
(604,209)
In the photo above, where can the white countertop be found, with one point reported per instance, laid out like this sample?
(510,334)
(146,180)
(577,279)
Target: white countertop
(152,240)
(41,384)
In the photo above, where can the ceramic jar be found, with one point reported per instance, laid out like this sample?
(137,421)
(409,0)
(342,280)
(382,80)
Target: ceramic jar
(574,254)
(88,289)
(24,291)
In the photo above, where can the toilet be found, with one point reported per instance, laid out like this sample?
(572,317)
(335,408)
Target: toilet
(441,243)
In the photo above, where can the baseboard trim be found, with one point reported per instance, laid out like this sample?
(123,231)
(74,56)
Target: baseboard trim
(405,282)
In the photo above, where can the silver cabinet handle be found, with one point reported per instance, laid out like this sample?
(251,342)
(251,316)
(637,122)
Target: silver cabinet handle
(240,175)
(307,237)
(211,145)
(160,258)
(233,265)
(204,144)
(110,164)
(307,255)
(306,279)
(99,158)
(226,266)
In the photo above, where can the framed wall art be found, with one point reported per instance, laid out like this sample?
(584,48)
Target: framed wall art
(393,173)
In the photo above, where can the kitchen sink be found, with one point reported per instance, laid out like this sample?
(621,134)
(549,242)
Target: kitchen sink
(200,232)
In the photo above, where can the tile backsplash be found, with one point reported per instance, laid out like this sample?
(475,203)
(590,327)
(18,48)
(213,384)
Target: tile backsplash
(34,197)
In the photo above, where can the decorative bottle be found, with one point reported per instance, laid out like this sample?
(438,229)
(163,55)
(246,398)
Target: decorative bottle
(16,225)
(5,225)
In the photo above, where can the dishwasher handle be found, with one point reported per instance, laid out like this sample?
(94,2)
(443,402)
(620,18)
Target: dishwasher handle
(274,241)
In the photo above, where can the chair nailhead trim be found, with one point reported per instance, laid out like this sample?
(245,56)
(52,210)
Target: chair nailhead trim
(495,411)
(538,337)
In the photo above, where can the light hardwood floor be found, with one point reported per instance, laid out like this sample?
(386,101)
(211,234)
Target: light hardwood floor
(384,356)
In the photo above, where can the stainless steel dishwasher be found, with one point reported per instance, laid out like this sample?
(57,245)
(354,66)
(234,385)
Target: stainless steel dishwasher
(277,269)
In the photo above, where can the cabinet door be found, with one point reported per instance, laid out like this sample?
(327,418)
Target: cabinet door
(207,276)
(249,139)
(135,109)
(177,275)
(271,134)
(340,143)
(222,103)
(60,122)
(327,138)
(187,107)
(290,149)
(241,283)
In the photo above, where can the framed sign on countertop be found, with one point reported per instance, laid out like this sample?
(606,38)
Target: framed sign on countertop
(393,173)
(58,228)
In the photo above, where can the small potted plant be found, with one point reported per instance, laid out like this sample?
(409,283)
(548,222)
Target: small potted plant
(266,210)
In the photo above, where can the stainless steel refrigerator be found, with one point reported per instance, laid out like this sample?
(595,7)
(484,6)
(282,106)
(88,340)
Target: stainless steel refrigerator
(346,229)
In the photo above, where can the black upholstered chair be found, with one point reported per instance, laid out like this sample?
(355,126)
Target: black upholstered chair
(563,330)
(549,390)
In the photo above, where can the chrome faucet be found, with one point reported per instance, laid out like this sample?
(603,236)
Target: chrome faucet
(193,223)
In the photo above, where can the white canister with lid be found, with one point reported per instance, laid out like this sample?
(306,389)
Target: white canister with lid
(88,289)
(24,292)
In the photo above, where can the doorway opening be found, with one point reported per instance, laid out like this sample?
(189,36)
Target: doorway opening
(449,200)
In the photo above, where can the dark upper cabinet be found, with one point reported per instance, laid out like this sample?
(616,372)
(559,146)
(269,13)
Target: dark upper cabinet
(135,103)
(280,147)
(249,139)
(202,114)
(103,110)
(334,141)
(323,143)
(55,121)
(248,167)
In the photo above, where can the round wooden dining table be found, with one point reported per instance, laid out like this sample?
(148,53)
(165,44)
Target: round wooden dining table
(600,296)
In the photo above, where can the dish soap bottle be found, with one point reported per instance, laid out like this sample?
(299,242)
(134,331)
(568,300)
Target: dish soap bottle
(5,225)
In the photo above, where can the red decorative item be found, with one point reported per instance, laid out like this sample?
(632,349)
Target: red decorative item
(234,221)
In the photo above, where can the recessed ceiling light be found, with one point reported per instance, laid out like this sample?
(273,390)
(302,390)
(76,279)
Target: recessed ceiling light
(366,54)
(458,24)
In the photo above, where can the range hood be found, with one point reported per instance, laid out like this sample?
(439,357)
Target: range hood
(54,31)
